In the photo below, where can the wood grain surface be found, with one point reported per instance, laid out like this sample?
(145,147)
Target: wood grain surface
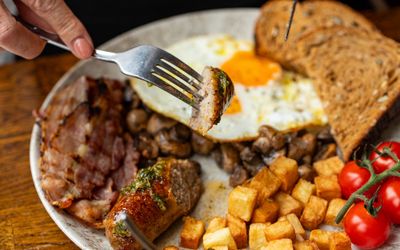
(24,223)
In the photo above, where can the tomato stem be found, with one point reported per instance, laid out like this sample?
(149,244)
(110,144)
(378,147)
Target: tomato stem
(373,180)
(361,197)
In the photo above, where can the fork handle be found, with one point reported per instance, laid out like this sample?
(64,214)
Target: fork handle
(55,40)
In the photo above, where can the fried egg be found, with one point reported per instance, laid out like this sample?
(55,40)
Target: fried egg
(265,94)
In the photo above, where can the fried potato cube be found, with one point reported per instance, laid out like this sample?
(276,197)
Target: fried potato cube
(314,212)
(303,190)
(170,248)
(241,202)
(296,224)
(335,205)
(305,245)
(221,237)
(321,238)
(327,187)
(266,183)
(191,233)
(288,204)
(339,241)
(257,238)
(286,170)
(216,224)
(280,230)
(298,236)
(282,218)
(220,248)
(267,212)
(328,167)
(282,244)
(238,230)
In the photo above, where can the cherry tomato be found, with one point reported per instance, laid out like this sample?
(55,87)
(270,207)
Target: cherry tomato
(352,177)
(364,230)
(385,162)
(389,196)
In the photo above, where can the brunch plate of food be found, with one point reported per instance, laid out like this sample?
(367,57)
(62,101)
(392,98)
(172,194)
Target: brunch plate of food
(268,175)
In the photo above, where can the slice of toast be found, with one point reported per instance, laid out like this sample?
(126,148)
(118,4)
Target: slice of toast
(271,26)
(356,70)
(270,31)
(357,76)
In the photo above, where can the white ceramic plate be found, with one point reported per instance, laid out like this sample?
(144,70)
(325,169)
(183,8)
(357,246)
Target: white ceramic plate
(237,22)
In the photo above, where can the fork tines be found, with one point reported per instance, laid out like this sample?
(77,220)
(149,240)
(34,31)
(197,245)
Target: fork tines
(178,79)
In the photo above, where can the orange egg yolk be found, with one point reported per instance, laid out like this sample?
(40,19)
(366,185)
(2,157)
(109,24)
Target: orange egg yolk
(234,107)
(245,68)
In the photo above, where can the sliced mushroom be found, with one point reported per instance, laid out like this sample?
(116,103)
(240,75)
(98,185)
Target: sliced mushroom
(251,161)
(326,151)
(239,146)
(180,132)
(276,138)
(278,141)
(267,131)
(136,120)
(238,177)
(306,172)
(216,154)
(296,149)
(201,145)
(229,157)
(157,123)
(325,135)
(262,145)
(310,143)
(249,156)
(168,146)
(253,167)
(307,159)
(269,158)
(147,146)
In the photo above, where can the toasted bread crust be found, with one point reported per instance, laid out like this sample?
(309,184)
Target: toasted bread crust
(271,26)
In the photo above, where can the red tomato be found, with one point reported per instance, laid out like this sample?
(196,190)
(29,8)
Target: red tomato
(389,196)
(364,230)
(385,162)
(352,177)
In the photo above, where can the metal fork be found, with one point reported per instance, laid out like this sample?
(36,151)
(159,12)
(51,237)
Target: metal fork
(133,230)
(147,63)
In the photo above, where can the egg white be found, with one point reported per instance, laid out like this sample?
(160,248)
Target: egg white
(283,103)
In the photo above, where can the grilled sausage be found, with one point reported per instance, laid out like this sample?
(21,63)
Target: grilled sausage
(159,195)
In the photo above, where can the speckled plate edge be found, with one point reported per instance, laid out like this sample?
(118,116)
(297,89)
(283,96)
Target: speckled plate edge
(237,22)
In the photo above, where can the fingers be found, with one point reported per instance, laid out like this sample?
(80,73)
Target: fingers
(16,38)
(57,14)
(31,17)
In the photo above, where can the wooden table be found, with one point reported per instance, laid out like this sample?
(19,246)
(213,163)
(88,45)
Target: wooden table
(24,223)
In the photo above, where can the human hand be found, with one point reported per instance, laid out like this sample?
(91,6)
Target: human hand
(51,15)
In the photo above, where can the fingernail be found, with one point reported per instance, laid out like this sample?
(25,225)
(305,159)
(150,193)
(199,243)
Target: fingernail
(83,48)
